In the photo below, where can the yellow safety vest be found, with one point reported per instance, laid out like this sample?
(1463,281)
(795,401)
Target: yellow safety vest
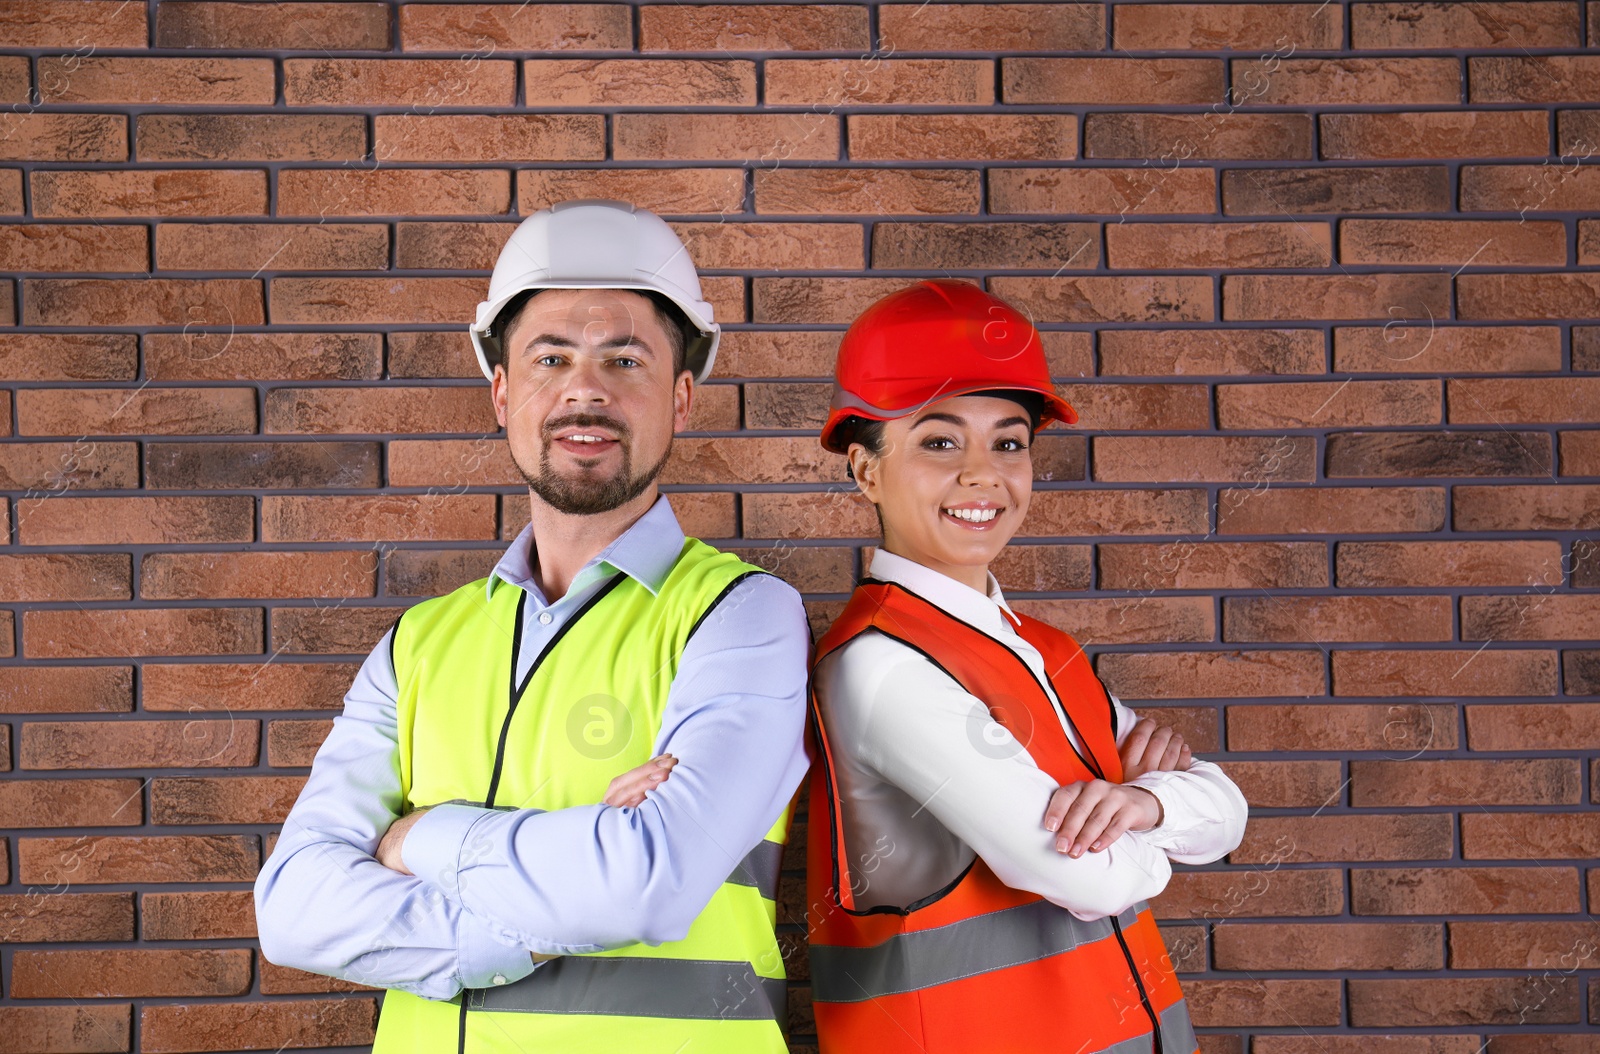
(588,710)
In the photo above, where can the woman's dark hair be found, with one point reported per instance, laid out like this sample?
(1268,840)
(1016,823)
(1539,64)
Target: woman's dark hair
(869,433)
(679,329)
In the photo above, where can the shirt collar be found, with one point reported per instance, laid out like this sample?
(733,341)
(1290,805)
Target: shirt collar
(965,603)
(645,552)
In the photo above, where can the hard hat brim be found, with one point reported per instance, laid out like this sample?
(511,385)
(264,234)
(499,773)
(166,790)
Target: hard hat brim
(844,408)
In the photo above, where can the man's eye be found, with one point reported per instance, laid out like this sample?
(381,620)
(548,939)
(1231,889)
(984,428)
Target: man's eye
(548,360)
(626,360)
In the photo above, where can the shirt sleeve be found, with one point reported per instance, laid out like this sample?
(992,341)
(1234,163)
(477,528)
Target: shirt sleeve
(921,731)
(594,877)
(325,904)
(1203,811)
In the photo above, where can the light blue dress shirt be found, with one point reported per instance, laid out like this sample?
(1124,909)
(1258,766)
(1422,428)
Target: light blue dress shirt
(491,886)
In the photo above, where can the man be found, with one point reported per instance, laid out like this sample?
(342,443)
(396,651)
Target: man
(451,844)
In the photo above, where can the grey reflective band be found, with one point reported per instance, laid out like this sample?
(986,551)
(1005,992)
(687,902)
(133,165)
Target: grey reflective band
(911,961)
(631,987)
(1177,1035)
(760,868)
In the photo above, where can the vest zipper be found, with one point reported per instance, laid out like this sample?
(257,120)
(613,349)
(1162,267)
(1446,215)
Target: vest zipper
(1144,997)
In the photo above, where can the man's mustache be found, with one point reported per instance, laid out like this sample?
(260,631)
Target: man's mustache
(614,425)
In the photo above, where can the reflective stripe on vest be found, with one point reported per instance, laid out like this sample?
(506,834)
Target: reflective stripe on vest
(978,966)
(589,708)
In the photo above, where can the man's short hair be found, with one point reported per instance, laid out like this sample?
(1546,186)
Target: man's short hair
(673,320)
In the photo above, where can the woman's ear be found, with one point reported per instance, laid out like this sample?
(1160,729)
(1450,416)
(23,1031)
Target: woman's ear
(863,467)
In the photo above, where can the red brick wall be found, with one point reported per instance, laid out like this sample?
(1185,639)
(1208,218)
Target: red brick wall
(1321,278)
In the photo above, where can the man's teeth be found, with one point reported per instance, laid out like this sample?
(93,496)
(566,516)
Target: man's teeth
(585,439)
(974,515)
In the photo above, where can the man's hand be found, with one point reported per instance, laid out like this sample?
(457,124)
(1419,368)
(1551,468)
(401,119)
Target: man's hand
(1152,748)
(389,846)
(1093,814)
(628,789)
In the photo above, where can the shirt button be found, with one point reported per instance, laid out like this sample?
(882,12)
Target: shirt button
(498,978)
(544,618)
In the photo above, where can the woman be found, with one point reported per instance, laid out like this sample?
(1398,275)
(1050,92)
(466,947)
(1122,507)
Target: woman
(986,821)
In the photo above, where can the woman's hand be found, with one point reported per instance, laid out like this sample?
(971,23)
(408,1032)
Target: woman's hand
(1152,748)
(1093,814)
(629,788)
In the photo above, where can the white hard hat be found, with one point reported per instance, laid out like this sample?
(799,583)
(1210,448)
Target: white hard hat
(600,245)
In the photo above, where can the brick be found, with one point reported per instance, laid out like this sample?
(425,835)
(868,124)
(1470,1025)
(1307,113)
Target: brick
(1464,891)
(1570,507)
(1329,946)
(1542,1043)
(667,191)
(1287,784)
(725,136)
(1245,894)
(59,917)
(66,576)
(66,689)
(1154,246)
(1031,246)
(257,465)
(141,302)
(1464,563)
(1533,726)
(223,800)
(331,630)
(1213,565)
(73,24)
(318,26)
(398,82)
(433,355)
(164,81)
(1545,616)
(263,356)
(292,518)
(229,687)
(1287,619)
(179,631)
(1463,1001)
(1534,400)
(1142,81)
(1346,81)
(259,1026)
(59,468)
(455,246)
(150,192)
(199,576)
(1533,78)
(776,354)
(1153,459)
(1410,454)
(1338,839)
(69,803)
(1168,135)
(81,1029)
(434,572)
(323,411)
(991,27)
(489,137)
(1529,836)
(849,82)
(1041,568)
(250,137)
(785,405)
(1116,512)
(774,459)
(1576,132)
(452,463)
(1481,243)
(130,972)
(1465,782)
(1296,297)
(1528,188)
(958,137)
(135,521)
(1161,353)
(765,27)
(774,246)
(292,744)
(69,356)
(1446,25)
(16,80)
(1104,620)
(639,82)
(393,191)
(128,744)
(1451,349)
(69,137)
(1528,296)
(1580,453)
(1141,298)
(818,300)
(1206,674)
(11,191)
(1407,728)
(285,980)
(255,247)
(1580,672)
(1331,510)
(1402,136)
(95,859)
(139,411)
(1563,946)
(1148,190)
(527,27)
(1214,26)
(75,247)
(1279,191)
(778,515)
(199,915)
(1455,672)
(1263,1002)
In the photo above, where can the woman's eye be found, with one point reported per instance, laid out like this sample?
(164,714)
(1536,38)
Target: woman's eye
(1011,446)
(939,443)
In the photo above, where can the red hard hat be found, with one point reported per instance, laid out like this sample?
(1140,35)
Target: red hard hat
(939,338)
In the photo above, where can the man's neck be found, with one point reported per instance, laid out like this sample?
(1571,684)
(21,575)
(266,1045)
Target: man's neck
(562,542)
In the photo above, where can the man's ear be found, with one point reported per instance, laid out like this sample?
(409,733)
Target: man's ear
(682,400)
(498,393)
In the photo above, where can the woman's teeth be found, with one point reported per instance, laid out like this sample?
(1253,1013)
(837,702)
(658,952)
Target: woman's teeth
(974,515)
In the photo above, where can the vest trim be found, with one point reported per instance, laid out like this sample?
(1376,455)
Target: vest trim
(977,945)
(630,987)
(1138,982)
(1177,1033)
(760,868)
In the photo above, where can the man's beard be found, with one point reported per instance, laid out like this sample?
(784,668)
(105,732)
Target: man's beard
(590,497)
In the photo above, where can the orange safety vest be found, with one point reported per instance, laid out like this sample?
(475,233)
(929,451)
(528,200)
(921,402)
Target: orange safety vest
(980,967)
